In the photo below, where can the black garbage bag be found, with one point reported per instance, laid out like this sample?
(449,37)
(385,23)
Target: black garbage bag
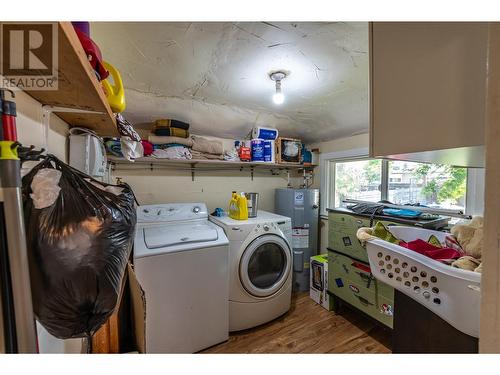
(78,249)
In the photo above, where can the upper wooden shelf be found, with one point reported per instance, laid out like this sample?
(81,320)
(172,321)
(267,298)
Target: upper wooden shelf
(78,87)
(208,162)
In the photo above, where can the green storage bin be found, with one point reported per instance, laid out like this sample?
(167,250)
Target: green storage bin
(342,230)
(351,281)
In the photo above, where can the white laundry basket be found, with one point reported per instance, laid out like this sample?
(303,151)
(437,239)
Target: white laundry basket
(451,293)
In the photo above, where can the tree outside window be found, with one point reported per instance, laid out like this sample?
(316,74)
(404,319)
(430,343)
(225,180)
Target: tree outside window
(432,185)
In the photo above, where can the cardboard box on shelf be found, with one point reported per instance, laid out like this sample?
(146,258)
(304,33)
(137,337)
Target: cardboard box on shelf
(288,151)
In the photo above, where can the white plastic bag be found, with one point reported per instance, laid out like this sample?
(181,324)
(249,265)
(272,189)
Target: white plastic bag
(131,149)
(45,187)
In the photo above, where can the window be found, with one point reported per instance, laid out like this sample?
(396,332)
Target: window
(357,180)
(399,182)
(432,185)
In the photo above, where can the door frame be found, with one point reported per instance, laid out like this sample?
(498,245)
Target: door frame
(489,334)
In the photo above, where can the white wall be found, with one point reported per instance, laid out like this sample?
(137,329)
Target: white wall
(343,144)
(30,129)
(211,187)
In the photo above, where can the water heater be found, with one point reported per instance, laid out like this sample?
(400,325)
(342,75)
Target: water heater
(302,206)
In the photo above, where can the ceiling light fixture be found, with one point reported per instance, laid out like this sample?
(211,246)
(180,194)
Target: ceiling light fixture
(278,97)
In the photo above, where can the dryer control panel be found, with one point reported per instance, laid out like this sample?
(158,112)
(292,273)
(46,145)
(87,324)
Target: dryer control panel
(168,212)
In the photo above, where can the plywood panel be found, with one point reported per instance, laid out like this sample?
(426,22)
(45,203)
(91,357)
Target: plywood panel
(77,86)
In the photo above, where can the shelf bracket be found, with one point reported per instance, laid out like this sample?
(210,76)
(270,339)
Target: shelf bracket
(251,172)
(192,171)
(47,110)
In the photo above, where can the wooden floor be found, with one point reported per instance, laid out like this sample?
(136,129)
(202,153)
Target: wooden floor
(308,328)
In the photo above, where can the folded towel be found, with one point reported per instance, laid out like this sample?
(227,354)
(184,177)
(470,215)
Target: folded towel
(171,132)
(204,155)
(178,152)
(401,212)
(159,140)
(166,145)
(206,145)
(167,123)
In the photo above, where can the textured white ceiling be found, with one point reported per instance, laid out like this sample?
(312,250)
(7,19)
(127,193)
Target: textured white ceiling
(215,75)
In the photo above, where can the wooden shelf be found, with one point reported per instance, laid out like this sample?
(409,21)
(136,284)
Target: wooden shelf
(78,87)
(193,162)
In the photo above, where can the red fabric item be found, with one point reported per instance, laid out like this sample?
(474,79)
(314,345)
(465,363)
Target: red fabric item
(94,53)
(148,147)
(431,251)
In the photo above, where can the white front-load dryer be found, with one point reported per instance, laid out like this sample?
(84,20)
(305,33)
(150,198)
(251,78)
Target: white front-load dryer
(260,265)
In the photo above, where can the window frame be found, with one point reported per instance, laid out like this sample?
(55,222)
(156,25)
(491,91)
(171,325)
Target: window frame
(327,178)
(474,201)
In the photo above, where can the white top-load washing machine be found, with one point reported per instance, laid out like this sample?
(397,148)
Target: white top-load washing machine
(181,260)
(260,264)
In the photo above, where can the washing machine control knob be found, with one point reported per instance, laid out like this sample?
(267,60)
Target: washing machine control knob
(266,227)
(196,209)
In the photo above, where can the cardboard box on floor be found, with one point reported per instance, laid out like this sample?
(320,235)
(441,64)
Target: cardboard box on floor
(125,330)
(318,281)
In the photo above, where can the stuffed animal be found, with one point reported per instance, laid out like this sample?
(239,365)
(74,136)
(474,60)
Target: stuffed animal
(470,237)
(467,263)
(479,268)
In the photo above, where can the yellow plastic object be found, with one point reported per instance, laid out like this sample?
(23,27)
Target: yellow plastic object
(7,152)
(238,207)
(233,204)
(115,93)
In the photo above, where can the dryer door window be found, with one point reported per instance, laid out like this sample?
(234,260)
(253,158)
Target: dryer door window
(265,265)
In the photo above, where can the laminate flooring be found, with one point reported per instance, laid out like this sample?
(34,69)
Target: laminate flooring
(308,328)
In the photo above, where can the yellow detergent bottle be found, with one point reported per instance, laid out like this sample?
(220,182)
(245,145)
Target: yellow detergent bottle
(238,208)
(233,203)
(115,92)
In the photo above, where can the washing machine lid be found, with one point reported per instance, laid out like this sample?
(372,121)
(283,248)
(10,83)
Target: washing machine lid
(170,235)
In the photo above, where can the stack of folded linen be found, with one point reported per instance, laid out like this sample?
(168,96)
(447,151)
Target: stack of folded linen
(171,128)
(197,147)
(173,152)
(167,147)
